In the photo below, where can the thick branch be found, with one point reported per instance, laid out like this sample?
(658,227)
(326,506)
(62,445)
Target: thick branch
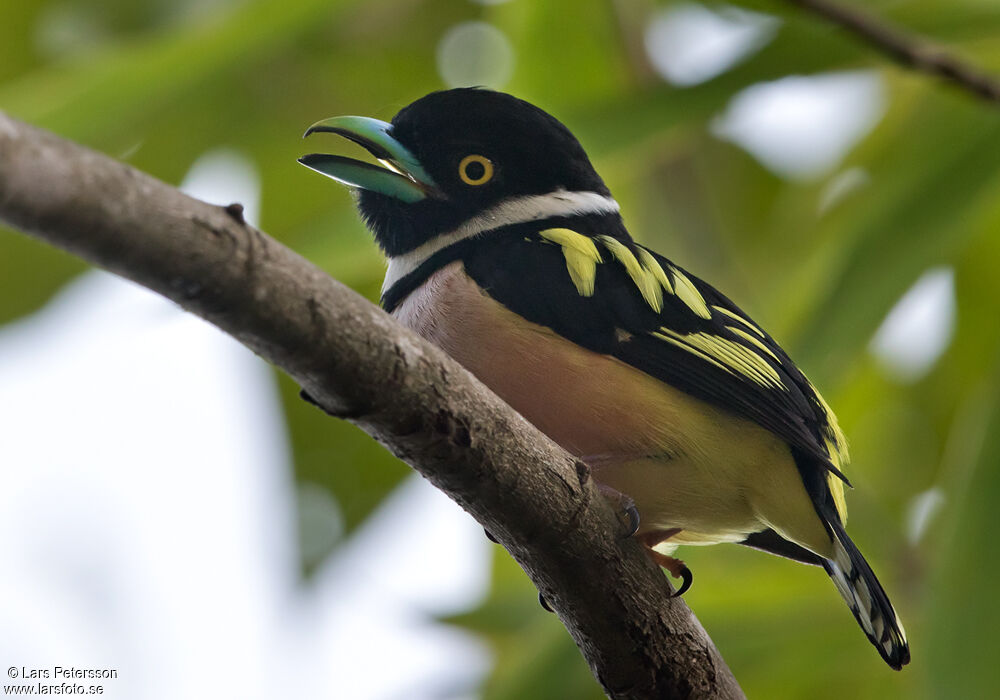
(914,52)
(359,364)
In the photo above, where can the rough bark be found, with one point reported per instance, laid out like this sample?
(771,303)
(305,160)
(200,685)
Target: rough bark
(358,364)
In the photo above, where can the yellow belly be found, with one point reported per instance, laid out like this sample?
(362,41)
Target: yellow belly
(687,464)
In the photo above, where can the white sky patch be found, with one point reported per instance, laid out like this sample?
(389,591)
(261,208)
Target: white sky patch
(688,43)
(802,127)
(473,54)
(919,328)
(142,449)
(421,556)
(223,176)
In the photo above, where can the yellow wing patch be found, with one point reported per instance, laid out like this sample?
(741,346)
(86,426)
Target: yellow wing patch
(732,356)
(736,317)
(648,275)
(581,257)
(643,278)
(755,341)
(650,263)
(674,339)
(687,293)
(835,484)
(838,448)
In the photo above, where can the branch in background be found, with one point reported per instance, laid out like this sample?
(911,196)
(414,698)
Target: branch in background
(359,364)
(914,52)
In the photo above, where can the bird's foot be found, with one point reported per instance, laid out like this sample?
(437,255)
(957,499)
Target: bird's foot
(676,567)
(544,603)
(625,506)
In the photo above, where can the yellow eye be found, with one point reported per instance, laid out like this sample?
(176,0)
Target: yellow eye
(475,170)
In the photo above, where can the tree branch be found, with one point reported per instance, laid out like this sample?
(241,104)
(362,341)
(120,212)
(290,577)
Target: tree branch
(914,52)
(358,363)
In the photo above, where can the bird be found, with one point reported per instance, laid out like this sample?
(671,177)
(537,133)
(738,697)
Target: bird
(506,249)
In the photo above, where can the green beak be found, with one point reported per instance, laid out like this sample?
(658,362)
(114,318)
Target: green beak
(402,178)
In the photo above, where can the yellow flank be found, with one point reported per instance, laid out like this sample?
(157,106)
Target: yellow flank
(735,316)
(650,263)
(687,293)
(734,356)
(644,279)
(581,257)
(755,340)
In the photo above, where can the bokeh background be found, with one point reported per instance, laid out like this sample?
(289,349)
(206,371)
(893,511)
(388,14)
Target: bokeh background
(171,509)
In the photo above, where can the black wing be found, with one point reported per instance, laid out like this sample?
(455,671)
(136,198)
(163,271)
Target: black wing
(610,295)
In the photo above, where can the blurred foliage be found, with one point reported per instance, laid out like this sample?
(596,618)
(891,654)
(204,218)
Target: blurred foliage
(159,82)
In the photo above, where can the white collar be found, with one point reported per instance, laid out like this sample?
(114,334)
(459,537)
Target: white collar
(519,210)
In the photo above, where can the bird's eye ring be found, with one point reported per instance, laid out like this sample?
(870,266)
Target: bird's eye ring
(475,170)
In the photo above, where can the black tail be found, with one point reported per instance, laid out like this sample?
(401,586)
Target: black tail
(864,595)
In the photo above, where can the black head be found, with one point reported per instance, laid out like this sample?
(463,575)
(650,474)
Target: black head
(455,154)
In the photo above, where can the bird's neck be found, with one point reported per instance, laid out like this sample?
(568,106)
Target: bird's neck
(558,207)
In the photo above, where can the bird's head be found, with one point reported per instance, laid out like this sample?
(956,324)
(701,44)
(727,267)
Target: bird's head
(453,156)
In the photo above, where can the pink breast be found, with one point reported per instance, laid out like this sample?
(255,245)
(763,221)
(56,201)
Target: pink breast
(591,404)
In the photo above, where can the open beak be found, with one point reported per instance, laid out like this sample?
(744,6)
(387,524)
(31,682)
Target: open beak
(402,178)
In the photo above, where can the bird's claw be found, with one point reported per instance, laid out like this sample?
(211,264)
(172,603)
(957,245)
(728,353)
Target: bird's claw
(544,603)
(633,518)
(626,508)
(676,567)
(683,573)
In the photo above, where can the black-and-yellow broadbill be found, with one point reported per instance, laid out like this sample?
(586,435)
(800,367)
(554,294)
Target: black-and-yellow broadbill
(506,249)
